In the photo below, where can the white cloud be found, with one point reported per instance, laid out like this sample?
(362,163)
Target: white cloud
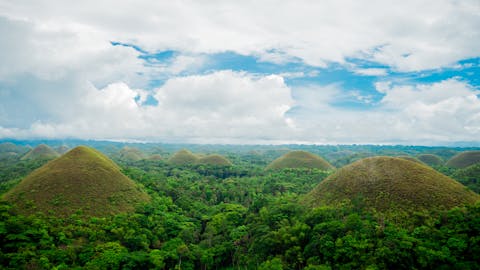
(225,106)
(371,71)
(405,35)
(435,113)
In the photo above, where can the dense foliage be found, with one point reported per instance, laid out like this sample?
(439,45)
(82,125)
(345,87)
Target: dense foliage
(236,217)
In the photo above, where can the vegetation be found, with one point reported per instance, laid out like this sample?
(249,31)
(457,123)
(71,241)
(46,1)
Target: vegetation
(130,154)
(464,159)
(469,176)
(202,216)
(389,184)
(41,152)
(183,157)
(155,157)
(410,158)
(215,160)
(62,149)
(81,180)
(431,159)
(300,159)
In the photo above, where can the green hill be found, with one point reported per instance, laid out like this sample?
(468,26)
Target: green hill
(8,147)
(299,159)
(183,157)
(62,149)
(469,176)
(155,157)
(431,159)
(464,159)
(216,160)
(41,152)
(411,159)
(130,154)
(389,184)
(82,179)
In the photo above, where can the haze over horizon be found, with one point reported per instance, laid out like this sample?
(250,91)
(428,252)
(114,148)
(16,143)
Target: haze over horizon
(324,72)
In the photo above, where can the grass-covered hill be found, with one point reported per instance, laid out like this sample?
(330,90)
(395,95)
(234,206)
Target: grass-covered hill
(299,159)
(215,160)
(469,176)
(155,157)
(183,157)
(389,184)
(62,149)
(464,159)
(411,159)
(431,159)
(41,152)
(82,179)
(130,154)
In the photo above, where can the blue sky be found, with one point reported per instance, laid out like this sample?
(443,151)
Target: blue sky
(234,72)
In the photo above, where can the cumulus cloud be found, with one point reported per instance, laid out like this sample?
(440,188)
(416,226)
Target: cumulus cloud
(222,106)
(60,76)
(435,113)
(406,35)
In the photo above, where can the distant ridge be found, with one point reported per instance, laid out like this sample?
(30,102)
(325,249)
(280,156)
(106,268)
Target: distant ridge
(300,159)
(388,183)
(83,180)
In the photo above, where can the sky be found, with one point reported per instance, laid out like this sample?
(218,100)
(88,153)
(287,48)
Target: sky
(241,72)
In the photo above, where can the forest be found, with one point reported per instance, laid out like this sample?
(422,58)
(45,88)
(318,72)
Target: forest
(240,216)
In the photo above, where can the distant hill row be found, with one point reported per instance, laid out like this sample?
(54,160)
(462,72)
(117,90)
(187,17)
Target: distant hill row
(83,180)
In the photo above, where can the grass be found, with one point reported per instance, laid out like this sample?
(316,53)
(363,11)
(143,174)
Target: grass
(300,159)
(81,180)
(469,176)
(464,159)
(155,157)
(390,184)
(431,159)
(214,159)
(42,151)
(411,159)
(183,157)
(130,154)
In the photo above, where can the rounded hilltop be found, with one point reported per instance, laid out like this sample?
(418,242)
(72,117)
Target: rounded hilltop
(388,184)
(183,157)
(215,160)
(41,152)
(130,154)
(464,159)
(299,159)
(431,159)
(83,180)
(413,159)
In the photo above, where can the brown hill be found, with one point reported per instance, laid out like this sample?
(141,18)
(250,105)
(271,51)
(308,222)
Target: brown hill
(82,179)
(387,183)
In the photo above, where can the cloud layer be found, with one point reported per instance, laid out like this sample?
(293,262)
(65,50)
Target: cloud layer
(60,75)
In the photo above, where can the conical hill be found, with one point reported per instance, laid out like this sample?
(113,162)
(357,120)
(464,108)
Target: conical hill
(183,157)
(431,159)
(387,183)
(299,159)
(82,179)
(41,152)
(464,159)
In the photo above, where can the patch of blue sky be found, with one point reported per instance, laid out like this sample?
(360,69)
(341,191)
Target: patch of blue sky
(298,74)
(467,70)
